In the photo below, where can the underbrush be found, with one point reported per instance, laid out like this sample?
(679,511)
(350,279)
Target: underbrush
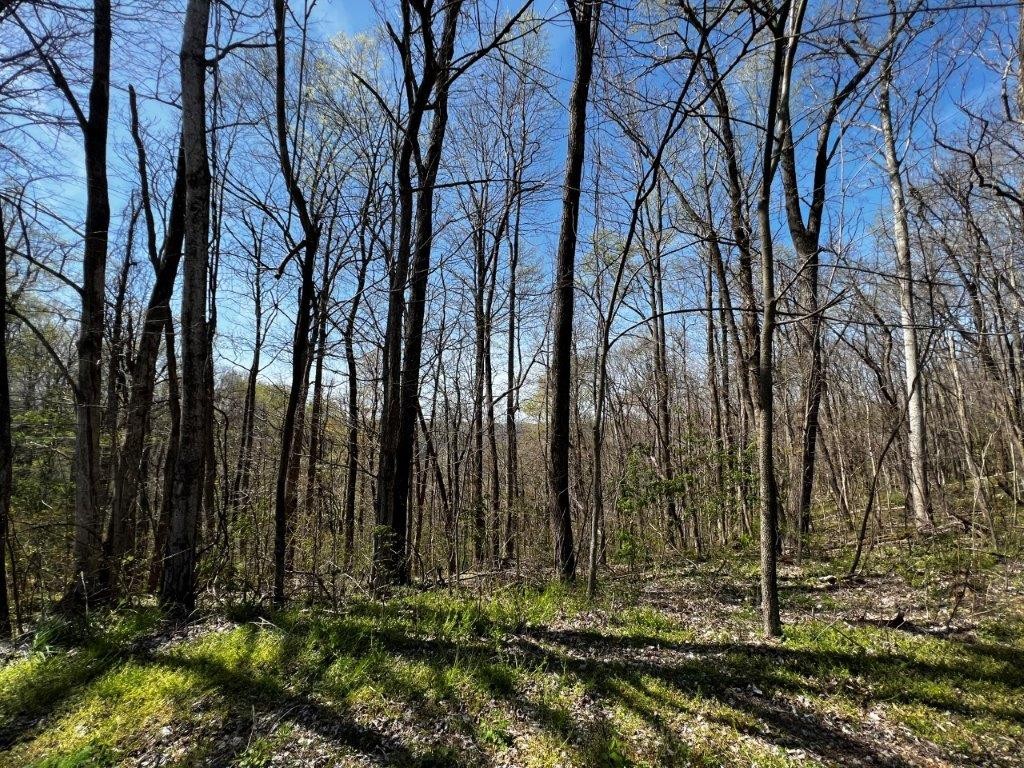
(659,671)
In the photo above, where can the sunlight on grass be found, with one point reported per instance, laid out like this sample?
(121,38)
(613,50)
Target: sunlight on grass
(626,684)
(114,714)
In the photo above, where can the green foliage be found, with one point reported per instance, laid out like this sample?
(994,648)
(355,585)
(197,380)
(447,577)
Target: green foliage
(639,485)
(54,632)
(91,756)
(494,729)
(261,750)
(629,549)
(42,435)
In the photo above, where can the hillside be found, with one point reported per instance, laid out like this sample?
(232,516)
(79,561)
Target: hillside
(920,662)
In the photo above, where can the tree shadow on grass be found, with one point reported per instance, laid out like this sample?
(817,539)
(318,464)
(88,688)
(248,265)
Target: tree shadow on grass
(728,686)
(649,676)
(728,673)
(254,697)
(59,678)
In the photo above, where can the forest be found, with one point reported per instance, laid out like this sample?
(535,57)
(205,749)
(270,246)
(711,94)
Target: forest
(590,383)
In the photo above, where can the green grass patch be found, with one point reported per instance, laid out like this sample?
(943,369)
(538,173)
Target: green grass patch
(539,673)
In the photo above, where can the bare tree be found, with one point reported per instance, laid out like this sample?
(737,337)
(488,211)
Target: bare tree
(6,451)
(905,275)
(586,20)
(178,580)
(806,230)
(164,261)
(427,91)
(311,230)
(93,126)
(784,27)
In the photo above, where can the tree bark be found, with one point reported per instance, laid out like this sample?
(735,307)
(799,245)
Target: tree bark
(6,449)
(479,283)
(243,465)
(88,391)
(143,374)
(352,440)
(178,581)
(162,529)
(772,625)
(512,398)
(585,17)
(904,270)
(287,470)
(412,262)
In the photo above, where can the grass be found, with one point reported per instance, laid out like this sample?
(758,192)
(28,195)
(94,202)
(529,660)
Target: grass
(534,678)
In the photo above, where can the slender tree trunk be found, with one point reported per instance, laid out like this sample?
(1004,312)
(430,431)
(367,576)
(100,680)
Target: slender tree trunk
(178,581)
(352,442)
(243,468)
(511,400)
(597,499)
(238,493)
(439,483)
(402,365)
(716,400)
(294,472)
(115,383)
(419,275)
(765,368)
(494,492)
(316,414)
(6,449)
(585,19)
(163,525)
(212,523)
(911,356)
(389,549)
(158,313)
(479,281)
(287,469)
(813,386)
(977,473)
(728,432)
(662,389)
(88,391)
(806,237)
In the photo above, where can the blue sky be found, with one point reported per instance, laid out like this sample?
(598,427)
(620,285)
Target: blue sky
(132,57)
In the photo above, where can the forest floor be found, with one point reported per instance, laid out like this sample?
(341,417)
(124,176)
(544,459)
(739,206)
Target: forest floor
(920,662)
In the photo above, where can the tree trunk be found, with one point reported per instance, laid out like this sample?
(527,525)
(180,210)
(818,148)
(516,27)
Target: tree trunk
(765,366)
(287,470)
(88,391)
(158,313)
(479,281)
(178,581)
(163,524)
(512,398)
(243,468)
(494,492)
(915,401)
(352,452)
(314,490)
(115,383)
(663,422)
(412,261)
(6,450)
(716,403)
(419,275)
(585,20)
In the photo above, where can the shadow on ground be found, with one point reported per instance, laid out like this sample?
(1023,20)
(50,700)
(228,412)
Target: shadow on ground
(421,685)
